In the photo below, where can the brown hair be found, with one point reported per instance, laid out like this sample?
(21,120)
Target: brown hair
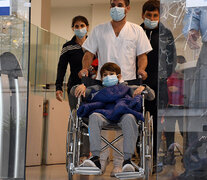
(127,2)
(151,5)
(110,67)
(181,59)
(79,18)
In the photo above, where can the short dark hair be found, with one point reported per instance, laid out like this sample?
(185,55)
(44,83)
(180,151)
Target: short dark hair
(151,5)
(181,59)
(79,18)
(127,2)
(110,67)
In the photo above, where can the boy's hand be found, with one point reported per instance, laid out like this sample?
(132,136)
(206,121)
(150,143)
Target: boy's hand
(59,95)
(80,90)
(138,91)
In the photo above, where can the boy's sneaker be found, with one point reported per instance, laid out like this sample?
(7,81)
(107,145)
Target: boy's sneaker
(127,166)
(92,162)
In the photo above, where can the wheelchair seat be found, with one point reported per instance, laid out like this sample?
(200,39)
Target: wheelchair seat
(111,127)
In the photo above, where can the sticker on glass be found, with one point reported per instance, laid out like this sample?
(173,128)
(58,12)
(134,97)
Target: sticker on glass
(196,3)
(4,7)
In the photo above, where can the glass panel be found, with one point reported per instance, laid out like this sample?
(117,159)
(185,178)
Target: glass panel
(45,51)
(182,121)
(54,50)
(14,51)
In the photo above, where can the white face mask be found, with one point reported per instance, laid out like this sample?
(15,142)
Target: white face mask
(117,13)
(80,32)
(110,80)
(150,24)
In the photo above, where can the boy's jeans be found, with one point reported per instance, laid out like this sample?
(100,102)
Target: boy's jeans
(128,124)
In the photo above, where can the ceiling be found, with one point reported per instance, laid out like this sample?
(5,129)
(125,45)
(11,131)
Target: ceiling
(75,3)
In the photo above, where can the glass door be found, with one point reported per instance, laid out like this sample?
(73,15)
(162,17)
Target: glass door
(14,63)
(182,121)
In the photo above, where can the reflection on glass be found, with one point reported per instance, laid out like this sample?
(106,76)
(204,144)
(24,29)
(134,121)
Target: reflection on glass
(182,124)
(17,145)
(45,51)
(14,50)
(1,121)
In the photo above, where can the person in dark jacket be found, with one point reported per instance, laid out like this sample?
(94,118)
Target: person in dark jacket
(72,54)
(161,60)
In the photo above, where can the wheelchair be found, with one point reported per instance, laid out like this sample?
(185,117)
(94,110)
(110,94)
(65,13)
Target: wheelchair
(145,144)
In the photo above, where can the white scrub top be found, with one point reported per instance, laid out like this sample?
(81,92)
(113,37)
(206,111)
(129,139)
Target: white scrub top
(122,50)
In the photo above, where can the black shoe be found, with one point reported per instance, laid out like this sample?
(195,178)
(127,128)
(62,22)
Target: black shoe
(127,166)
(92,162)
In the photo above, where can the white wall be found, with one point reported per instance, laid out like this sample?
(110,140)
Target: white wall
(61,18)
(36,17)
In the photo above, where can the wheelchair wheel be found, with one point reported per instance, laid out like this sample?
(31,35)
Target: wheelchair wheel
(149,145)
(71,145)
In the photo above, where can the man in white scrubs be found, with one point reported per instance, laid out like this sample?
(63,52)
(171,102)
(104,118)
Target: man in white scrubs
(120,42)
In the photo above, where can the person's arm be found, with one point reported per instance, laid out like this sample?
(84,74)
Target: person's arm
(191,28)
(142,64)
(171,59)
(91,47)
(150,93)
(61,70)
(80,90)
(59,95)
(86,62)
(137,90)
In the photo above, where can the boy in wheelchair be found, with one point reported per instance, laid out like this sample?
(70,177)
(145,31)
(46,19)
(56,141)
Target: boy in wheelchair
(112,103)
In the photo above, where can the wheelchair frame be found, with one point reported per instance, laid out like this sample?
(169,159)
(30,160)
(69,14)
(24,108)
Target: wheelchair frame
(73,143)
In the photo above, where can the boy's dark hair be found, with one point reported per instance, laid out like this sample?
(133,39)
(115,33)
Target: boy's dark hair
(110,67)
(79,18)
(181,59)
(151,5)
(127,2)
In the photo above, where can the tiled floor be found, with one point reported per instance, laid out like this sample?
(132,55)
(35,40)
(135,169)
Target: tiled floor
(58,172)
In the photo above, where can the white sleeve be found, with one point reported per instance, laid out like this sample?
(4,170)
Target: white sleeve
(91,43)
(143,43)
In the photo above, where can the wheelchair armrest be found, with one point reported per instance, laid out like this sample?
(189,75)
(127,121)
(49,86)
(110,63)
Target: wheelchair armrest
(145,92)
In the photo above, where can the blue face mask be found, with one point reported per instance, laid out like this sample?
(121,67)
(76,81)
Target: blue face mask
(110,80)
(150,24)
(117,13)
(80,32)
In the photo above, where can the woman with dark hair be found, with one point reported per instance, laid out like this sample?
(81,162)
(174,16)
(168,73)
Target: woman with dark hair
(72,54)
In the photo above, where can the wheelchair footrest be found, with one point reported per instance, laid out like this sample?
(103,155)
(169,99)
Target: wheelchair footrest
(129,175)
(87,171)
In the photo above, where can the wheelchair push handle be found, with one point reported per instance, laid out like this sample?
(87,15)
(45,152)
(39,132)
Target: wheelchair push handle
(84,79)
(139,79)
